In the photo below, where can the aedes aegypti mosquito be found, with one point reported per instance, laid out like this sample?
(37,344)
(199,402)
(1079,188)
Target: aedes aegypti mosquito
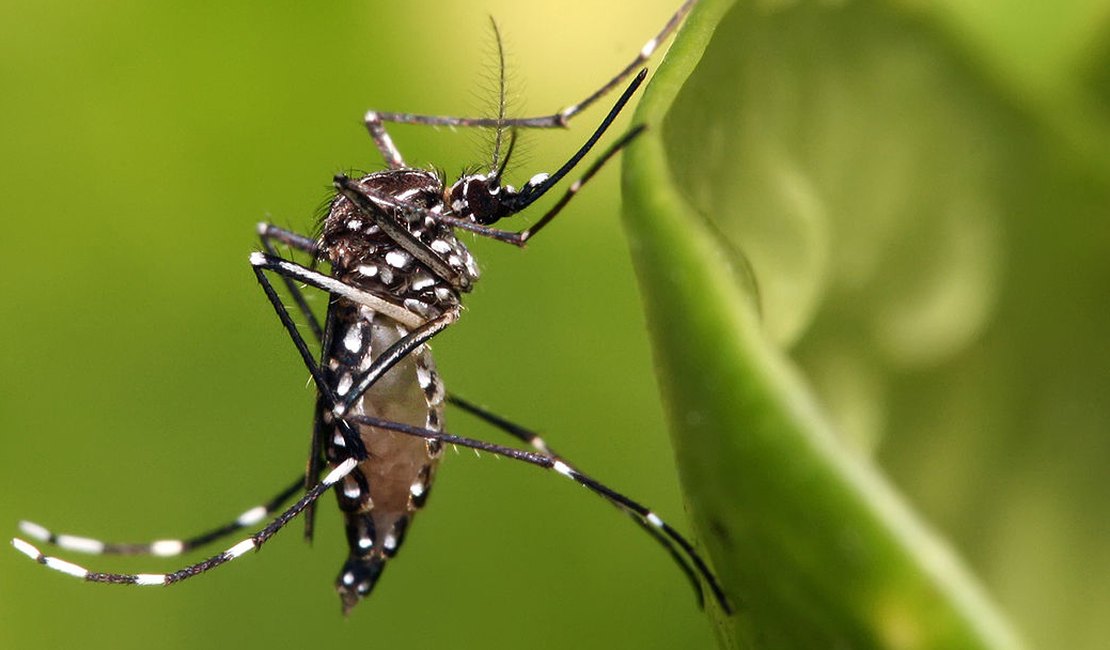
(397,275)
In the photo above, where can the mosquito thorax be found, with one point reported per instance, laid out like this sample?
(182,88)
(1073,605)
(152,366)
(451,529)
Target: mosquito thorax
(364,255)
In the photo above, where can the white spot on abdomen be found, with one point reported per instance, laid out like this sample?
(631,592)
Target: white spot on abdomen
(423,376)
(353,340)
(344,384)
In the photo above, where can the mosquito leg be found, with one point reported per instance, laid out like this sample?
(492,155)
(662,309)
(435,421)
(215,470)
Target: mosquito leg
(253,542)
(549,462)
(536,442)
(420,334)
(162,547)
(263,262)
(260,261)
(561,118)
(390,154)
(312,471)
(525,435)
(270,233)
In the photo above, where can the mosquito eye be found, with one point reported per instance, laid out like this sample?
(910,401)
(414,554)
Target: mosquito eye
(484,205)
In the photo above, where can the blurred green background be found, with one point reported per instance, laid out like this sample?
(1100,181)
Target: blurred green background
(148,391)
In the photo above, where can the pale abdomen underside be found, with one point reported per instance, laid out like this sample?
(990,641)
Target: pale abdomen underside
(379,498)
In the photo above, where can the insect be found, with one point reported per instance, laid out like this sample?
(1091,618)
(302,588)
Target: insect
(397,274)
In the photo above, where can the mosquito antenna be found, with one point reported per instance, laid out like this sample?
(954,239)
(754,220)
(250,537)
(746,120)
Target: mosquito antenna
(499,131)
(508,155)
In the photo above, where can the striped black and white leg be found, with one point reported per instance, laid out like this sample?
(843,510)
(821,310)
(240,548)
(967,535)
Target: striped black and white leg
(421,330)
(390,154)
(523,434)
(534,440)
(237,550)
(547,461)
(559,119)
(292,270)
(371,203)
(162,547)
(268,234)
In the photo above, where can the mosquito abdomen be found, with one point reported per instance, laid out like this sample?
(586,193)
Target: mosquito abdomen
(379,498)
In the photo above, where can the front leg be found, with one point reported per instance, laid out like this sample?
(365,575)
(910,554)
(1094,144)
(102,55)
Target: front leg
(294,271)
(390,154)
(268,234)
(261,261)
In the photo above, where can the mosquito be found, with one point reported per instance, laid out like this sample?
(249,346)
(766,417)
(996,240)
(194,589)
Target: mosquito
(397,274)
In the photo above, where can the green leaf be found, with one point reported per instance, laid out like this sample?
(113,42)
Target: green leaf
(812,210)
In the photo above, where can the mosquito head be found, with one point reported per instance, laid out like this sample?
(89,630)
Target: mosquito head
(486,201)
(479,197)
